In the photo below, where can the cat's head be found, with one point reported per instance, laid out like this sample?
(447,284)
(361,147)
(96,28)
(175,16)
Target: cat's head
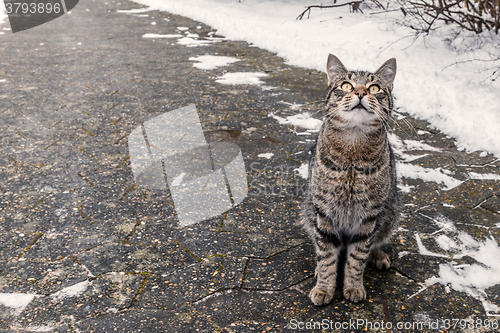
(358,98)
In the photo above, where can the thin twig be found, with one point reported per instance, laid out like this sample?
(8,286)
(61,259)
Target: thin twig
(354,7)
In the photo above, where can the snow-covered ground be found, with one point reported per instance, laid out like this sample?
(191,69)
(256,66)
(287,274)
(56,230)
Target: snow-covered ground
(457,99)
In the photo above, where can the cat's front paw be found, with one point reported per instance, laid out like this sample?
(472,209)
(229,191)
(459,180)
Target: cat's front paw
(355,294)
(320,297)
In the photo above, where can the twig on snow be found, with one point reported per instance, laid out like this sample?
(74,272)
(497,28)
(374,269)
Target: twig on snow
(354,7)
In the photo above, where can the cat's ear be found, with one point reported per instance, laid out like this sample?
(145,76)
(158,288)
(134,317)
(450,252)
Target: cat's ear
(387,71)
(334,67)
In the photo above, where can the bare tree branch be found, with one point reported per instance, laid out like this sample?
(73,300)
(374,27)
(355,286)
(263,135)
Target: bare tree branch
(354,7)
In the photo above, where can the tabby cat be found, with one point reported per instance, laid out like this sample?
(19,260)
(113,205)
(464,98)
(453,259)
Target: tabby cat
(351,202)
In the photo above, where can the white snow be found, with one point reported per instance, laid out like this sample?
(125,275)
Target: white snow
(178,180)
(444,223)
(303,170)
(400,145)
(49,327)
(434,81)
(304,120)
(134,11)
(17,301)
(211,62)
(484,176)
(72,291)
(406,170)
(292,106)
(401,254)
(424,251)
(472,279)
(242,78)
(193,42)
(405,188)
(266,155)
(446,243)
(161,36)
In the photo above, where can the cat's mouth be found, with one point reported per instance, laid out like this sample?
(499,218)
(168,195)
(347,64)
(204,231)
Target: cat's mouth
(360,107)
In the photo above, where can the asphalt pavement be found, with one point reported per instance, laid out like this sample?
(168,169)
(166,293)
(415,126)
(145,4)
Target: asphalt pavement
(93,239)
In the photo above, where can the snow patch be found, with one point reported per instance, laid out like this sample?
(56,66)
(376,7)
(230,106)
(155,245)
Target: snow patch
(472,279)
(267,155)
(399,146)
(424,251)
(446,243)
(193,42)
(241,78)
(484,176)
(303,170)
(444,223)
(72,291)
(303,120)
(49,327)
(405,170)
(407,145)
(405,188)
(178,180)
(211,62)
(401,254)
(161,36)
(293,106)
(134,11)
(16,301)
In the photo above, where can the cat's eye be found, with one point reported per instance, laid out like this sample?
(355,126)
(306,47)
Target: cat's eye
(374,89)
(346,86)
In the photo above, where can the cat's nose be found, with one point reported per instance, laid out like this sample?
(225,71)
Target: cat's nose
(361,93)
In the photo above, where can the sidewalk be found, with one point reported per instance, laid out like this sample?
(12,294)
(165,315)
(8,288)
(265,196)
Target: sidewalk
(86,249)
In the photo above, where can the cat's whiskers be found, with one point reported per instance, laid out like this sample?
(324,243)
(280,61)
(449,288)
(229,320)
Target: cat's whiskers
(389,116)
(383,120)
(409,125)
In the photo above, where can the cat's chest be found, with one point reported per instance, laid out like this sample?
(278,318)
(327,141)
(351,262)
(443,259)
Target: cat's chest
(344,187)
(347,193)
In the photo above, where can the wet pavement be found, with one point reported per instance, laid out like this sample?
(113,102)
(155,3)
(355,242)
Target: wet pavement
(85,248)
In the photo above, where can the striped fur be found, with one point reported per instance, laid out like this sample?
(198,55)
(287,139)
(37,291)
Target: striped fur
(351,200)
